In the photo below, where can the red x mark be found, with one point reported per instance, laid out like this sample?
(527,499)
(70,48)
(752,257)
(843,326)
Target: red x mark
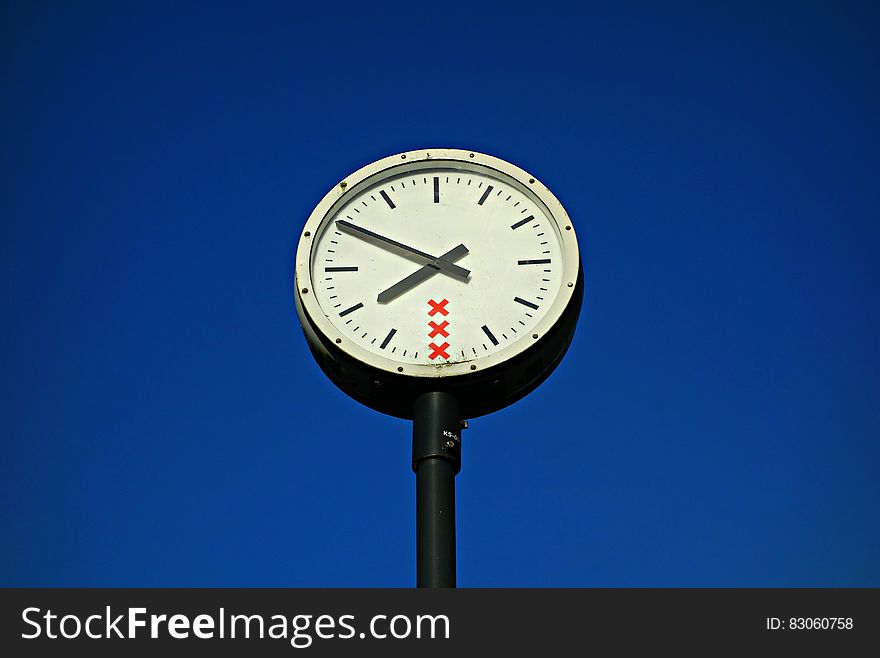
(439,350)
(438,328)
(438,308)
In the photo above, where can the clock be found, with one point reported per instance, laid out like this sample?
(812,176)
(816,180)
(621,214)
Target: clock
(438,270)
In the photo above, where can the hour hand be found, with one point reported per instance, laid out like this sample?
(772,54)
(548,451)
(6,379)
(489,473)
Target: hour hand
(437,264)
(420,275)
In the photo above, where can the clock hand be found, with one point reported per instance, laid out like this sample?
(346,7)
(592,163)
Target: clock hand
(420,275)
(401,249)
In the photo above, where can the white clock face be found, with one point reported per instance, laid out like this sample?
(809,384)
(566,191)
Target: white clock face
(437,263)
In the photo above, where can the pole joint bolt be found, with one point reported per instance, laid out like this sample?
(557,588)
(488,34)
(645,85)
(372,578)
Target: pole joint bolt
(437,430)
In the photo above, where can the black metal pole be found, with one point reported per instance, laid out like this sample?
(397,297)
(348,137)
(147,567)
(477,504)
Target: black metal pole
(436,461)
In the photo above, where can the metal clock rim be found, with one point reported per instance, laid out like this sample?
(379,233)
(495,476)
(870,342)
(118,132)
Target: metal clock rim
(356,181)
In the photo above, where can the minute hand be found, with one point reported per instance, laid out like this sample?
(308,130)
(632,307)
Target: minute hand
(403,250)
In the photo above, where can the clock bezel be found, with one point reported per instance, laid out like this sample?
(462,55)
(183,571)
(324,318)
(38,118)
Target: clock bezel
(413,161)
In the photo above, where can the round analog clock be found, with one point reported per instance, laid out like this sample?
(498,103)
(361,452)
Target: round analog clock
(438,270)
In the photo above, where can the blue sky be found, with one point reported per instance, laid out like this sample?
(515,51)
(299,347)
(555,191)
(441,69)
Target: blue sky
(716,421)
